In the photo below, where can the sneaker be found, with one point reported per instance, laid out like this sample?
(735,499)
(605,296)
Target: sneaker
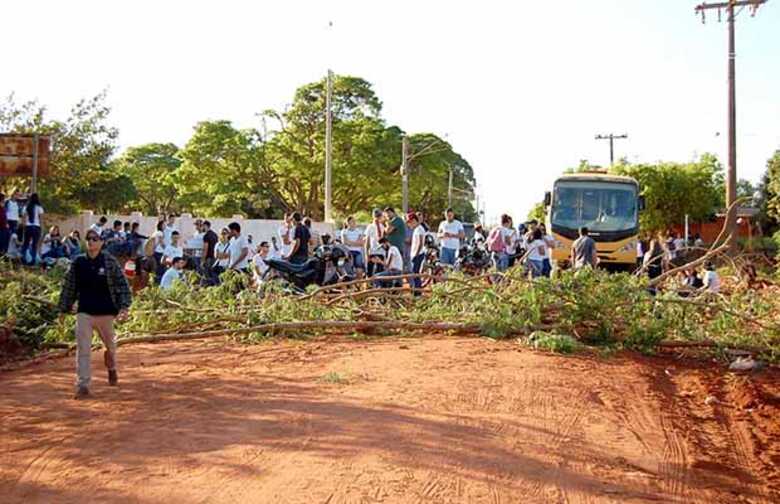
(81,393)
(113,379)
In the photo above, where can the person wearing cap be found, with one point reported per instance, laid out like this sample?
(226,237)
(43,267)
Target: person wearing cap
(96,283)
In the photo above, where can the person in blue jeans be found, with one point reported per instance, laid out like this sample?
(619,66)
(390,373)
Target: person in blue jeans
(32,229)
(451,233)
(416,249)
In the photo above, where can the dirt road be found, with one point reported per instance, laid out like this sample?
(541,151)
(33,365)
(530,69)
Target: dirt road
(401,420)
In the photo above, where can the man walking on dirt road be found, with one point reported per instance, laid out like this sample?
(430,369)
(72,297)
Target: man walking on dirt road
(583,251)
(95,280)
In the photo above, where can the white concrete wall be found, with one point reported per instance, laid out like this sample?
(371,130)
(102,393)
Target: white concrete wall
(260,229)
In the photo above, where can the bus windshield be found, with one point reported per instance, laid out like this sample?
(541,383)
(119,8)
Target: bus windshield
(601,206)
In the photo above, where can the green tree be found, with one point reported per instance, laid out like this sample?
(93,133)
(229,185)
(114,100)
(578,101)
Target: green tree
(769,195)
(538,212)
(152,168)
(674,190)
(82,146)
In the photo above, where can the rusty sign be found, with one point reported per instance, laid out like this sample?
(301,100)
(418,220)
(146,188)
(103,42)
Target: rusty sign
(18,157)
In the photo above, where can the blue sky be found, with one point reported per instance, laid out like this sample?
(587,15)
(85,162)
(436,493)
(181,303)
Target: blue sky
(519,88)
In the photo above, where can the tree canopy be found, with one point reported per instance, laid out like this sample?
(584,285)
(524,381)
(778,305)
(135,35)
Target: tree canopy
(260,172)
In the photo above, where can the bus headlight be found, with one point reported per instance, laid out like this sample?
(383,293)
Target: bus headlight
(628,247)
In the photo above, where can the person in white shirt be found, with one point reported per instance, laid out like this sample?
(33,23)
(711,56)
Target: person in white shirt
(100,225)
(222,252)
(169,229)
(512,241)
(32,229)
(354,239)
(239,248)
(173,250)
(537,251)
(394,264)
(374,232)
(680,246)
(259,266)
(451,232)
(14,247)
(416,250)
(549,243)
(711,279)
(11,208)
(173,274)
(195,244)
(285,233)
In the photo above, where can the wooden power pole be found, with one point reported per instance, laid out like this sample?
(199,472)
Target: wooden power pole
(405,173)
(731,174)
(329,149)
(611,137)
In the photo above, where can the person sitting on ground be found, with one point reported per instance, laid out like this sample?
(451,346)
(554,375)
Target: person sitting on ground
(259,266)
(52,246)
(14,250)
(691,282)
(173,274)
(393,265)
(73,244)
(583,251)
(96,282)
(711,279)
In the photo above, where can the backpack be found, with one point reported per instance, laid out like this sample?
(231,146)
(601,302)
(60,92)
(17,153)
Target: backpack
(495,241)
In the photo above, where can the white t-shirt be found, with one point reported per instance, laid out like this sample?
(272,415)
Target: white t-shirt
(36,217)
(12,210)
(260,265)
(172,252)
(639,252)
(14,250)
(711,281)
(167,232)
(351,235)
(372,236)
(453,227)
(549,243)
(394,260)
(418,240)
(509,235)
(533,250)
(237,246)
(171,275)
(196,244)
(282,232)
(159,241)
(222,248)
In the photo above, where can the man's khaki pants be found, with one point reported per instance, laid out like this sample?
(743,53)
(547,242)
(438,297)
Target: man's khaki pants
(86,325)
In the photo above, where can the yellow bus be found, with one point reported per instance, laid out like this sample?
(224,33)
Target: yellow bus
(608,205)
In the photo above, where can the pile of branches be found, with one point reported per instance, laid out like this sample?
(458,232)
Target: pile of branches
(591,307)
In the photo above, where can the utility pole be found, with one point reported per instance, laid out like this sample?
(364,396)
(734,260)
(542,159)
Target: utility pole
(731,173)
(449,191)
(405,173)
(611,137)
(329,149)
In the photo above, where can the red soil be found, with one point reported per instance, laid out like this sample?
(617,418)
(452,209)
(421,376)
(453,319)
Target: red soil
(389,420)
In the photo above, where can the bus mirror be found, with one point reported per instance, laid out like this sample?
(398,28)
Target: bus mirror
(641,203)
(547,198)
